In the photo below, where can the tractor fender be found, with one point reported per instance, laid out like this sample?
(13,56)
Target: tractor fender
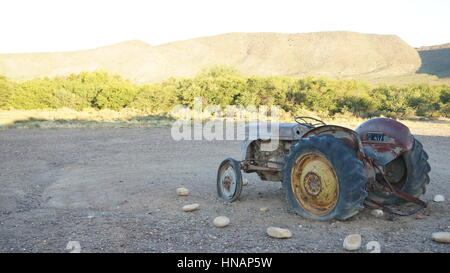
(384,139)
(352,139)
(349,136)
(245,149)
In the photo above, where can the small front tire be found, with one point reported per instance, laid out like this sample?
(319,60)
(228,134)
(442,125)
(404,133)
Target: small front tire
(229,180)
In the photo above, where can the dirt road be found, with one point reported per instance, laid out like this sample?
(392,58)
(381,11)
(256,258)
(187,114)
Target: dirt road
(113,190)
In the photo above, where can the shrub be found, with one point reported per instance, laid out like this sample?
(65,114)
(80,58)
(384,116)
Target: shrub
(222,85)
(6,89)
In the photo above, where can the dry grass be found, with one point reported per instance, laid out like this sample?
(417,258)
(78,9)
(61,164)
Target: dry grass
(89,118)
(132,118)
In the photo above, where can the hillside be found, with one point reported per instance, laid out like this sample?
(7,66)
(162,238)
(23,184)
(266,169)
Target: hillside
(435,60)
(334,54)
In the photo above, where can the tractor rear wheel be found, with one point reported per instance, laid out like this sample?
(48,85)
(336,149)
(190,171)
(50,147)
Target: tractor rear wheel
(324,179)
(408,173)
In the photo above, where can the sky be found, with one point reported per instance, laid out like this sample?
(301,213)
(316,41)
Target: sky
(67,25)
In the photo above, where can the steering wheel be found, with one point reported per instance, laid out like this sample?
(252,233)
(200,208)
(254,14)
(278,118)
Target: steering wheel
(304,121)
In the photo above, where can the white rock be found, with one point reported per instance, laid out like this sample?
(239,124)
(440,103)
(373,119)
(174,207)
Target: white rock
(191,207)
(245,182)
(221,221)
(441,237)
(264,209)
(182,192)
(280,233)
(352,242)
(374,246)
(377,212)
(439,198)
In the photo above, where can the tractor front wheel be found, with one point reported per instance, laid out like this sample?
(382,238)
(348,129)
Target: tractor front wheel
(229,180)
(324,179)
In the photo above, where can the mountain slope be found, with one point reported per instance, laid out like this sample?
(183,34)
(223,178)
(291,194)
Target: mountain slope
(335,54)
(435,60)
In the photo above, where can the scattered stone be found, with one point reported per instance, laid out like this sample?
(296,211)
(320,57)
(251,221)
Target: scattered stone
(279,233)
(439,198)
(245,182)
(191,207)
(221,221)
(182,192)
(90,216)
(264,209)
(374,246)
(377,213)
(441,237)
(352,242)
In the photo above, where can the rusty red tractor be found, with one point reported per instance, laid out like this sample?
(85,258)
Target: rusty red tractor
(332,172)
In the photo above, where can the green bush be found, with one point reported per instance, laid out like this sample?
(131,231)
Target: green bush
(116,95)
(224,86)
(42,93)
(6,90)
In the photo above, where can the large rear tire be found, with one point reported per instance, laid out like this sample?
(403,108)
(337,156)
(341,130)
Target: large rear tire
(324,179)
(409,173)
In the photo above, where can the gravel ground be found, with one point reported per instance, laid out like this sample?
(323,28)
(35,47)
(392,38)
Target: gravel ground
(113,190)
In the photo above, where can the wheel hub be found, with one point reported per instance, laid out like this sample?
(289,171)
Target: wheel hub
(227,183)
(395,171)
(315,184)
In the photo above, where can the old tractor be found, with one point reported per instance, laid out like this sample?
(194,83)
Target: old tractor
(332,172)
